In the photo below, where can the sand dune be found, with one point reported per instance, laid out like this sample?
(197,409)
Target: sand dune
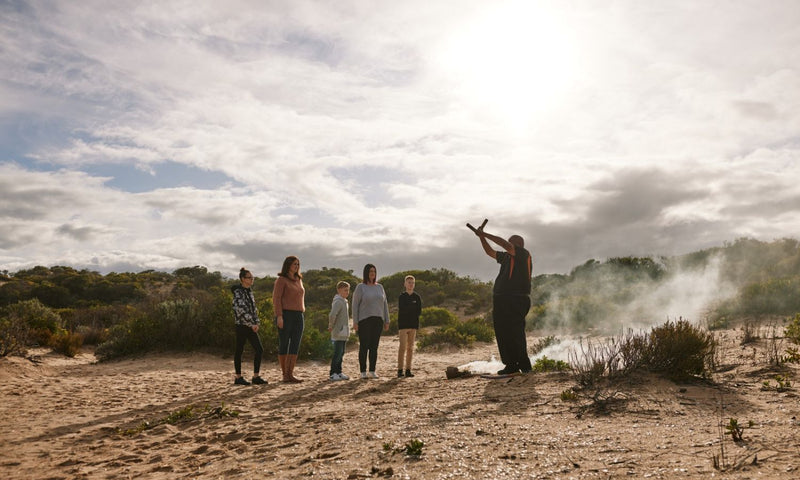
(62,418)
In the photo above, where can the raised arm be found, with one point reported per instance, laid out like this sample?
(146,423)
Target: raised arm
(502,242)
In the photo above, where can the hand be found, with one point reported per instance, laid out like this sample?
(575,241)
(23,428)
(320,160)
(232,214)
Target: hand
(280,321)
(255,328)
(385,327)
(355,327)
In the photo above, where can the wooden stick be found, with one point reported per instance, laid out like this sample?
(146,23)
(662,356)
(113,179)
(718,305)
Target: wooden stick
(469,225)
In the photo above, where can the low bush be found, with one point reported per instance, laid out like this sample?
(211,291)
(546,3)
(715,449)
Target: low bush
(66,343)
(545,364)
(92,335)
(447,335)
(454,332)
(204,320)
(393,326)
(477,327)
(14,334)
(792,330)
(436,316)
(678,349)
(41,321)
(316,345)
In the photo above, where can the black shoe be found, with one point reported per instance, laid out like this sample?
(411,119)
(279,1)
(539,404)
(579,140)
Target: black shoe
(399,373)
(259,381)
(409,374)
(240,381)
(508,370)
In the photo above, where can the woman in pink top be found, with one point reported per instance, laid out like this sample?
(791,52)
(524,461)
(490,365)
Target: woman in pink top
(288,300)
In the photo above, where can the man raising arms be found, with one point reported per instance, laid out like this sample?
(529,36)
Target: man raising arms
(511,300)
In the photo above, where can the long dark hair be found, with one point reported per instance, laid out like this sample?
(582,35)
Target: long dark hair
(285,268)
(367,268)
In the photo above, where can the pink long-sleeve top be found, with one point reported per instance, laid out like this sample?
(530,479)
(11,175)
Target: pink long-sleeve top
(288,295)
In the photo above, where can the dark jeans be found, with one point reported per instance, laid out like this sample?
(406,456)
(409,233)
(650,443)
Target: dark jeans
(369,335)
(246,333)
(338,355)
(289,336)
(509,327)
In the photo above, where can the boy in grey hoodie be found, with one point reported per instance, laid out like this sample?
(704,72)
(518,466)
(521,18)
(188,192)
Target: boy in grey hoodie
(339,326)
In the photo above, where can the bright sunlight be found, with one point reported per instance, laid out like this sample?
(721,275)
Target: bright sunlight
(516,61)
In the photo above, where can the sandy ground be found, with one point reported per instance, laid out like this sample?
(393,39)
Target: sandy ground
(63,418)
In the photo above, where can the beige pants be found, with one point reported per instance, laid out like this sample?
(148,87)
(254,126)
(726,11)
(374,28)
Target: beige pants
(407,336)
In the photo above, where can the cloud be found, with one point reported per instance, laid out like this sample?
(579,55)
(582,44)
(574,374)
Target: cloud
(341,132)
(78,233)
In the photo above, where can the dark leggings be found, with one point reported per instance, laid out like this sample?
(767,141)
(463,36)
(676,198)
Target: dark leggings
(289,336)
(369,335)
(246,333)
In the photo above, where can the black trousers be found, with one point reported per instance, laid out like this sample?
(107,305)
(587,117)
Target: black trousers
(369,335)
(245,333)
(508,314)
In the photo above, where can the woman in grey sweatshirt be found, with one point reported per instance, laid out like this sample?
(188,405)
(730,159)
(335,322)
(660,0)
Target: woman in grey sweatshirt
(370,313)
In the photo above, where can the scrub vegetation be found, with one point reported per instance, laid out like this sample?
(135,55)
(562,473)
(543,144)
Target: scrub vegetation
(125,314)
(189,309)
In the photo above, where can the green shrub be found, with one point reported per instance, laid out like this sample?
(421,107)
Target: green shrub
(92,335)
(447,335)
(435,316)
(393,326)
(66,343)
(478,327)
(137,334)
(414,447)
(569,395)
(42,321)
(204,320)
(14,334)
(545,364)
(792,331)
(316,345)
(678,349)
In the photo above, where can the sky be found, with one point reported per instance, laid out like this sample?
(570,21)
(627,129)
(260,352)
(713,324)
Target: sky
(164,134)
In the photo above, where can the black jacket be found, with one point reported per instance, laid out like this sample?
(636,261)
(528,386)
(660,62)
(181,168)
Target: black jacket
(410,307)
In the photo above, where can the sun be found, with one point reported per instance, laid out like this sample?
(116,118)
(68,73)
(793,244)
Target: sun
(514,61)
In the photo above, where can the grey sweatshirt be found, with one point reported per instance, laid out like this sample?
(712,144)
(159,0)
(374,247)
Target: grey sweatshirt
(370,301)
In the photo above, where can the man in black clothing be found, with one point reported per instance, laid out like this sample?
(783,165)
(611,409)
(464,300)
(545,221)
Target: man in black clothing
(511,300)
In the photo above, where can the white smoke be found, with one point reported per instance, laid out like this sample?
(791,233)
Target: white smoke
(558,351)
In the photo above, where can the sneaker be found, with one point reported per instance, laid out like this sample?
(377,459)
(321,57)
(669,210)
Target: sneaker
(363,375)
(409,374)
(258,381)
(240,381)
(372,375)
(399,373)
(342,376)
(335,376)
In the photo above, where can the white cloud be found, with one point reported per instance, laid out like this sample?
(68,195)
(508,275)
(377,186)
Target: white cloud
(358,130)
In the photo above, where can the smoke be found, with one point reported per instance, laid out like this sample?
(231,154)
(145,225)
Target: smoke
(630,293)
(687,294)
(560,350)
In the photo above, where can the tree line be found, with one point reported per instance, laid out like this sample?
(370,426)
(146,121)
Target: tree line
(190,308)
